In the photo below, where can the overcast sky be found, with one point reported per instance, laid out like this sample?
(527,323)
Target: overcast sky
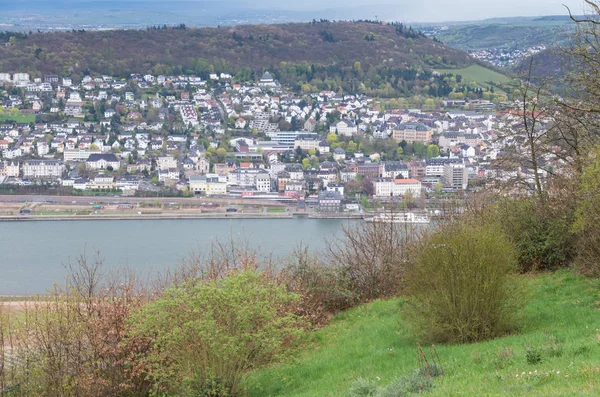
(436,10)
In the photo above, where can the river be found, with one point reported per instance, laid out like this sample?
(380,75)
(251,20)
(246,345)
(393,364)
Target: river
(32,254)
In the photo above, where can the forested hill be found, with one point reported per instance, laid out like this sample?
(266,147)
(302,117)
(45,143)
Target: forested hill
(317,47)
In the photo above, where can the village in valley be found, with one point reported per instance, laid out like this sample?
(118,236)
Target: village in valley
(182,136)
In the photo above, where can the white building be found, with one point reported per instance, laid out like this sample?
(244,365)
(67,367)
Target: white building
(345,128)
(33,169)
(21,77)
(388,187)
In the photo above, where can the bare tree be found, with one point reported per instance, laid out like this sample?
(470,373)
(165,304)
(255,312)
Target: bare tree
(524,140)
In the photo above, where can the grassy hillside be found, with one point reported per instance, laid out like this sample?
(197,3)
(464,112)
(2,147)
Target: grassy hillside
(120,52)
(19,118)
(478,73)
(556,353)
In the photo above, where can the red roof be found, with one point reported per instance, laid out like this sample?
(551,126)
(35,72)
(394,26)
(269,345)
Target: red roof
(406,181)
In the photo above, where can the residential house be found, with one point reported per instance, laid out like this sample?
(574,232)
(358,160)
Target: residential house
(330,202)
(103,161)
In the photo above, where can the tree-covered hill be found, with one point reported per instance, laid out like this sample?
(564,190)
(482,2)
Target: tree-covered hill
(504,36)
(244,50)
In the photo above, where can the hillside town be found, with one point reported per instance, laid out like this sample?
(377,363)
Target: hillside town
(182,136)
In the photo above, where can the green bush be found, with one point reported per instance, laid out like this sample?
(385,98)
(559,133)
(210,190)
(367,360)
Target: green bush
(587,225)
(541,231)
(206,335)
(324,290)
(460,284)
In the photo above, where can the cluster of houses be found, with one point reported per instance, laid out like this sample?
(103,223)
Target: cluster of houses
(128,144)
(503,57)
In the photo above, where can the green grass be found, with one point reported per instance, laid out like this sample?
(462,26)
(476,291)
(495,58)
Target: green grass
(560,324)
(276,210)
(19,117)
(478,74)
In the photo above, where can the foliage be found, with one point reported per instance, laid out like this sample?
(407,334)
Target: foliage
(71,342)
(460,284)
(587,225)
(203,331)
(373,257)
(540,231)
(324,291)
(314,56)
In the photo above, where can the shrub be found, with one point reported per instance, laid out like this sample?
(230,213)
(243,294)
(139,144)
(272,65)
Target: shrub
(460,284)
(533,356)
(323,290)
(540,231)
(373,257)
(72,341)
(587,225)
(209,333)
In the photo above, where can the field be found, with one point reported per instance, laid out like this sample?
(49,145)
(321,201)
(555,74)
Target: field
(19,118)
(555,353)
(478,73)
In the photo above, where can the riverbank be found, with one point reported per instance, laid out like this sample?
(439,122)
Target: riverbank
(137,217)
(173,216)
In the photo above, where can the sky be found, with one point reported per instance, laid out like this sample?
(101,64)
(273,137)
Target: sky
(386,10)
(437,10)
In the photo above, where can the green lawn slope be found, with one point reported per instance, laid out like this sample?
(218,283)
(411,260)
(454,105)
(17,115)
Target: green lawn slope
(478,74)
(19,118)
(555,353)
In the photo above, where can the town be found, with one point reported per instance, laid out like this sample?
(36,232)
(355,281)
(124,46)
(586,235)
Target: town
(181,136)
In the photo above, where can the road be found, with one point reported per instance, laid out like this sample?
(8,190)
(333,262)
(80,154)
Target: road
(89,200)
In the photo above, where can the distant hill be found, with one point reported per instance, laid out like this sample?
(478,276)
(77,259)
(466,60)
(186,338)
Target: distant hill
(548,65)
(384,57)
(474,37)
(119,52)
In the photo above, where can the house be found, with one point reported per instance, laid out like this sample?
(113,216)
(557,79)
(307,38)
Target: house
(339,154)
(310,125)
(171,174)
(330,202)
(203,165)
(109,113)
(335,187)
(42,148)
(103,161)
(240,123)
(267,80)
(51,78)
(9,169)
(345,128)
(103,182)
(394,169)
(165,162)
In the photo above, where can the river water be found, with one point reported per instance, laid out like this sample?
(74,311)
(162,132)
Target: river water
(32,253)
